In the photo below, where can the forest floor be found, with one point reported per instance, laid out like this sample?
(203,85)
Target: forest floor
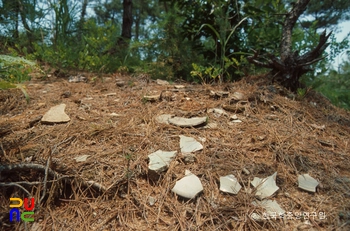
(117,129)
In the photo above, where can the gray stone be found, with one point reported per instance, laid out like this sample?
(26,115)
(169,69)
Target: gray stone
(151,98)
(56,114)
(179,86)
(162,82)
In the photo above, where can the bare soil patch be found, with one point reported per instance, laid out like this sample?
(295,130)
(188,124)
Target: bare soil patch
(111,189)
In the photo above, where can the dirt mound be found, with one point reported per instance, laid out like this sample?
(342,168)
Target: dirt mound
(117,129)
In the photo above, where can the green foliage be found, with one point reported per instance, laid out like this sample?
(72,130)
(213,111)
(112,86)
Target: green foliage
(301,93)
(335,85)
(223,37)
(85,55)
(205,74)
(328,13)
(13,71)
(263,29)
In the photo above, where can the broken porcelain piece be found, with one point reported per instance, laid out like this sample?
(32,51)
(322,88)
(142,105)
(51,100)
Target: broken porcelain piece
(229,184)
(189,144)
(184,122)
(160,160)
(265,187)
(307,183)
(272,208)
(188,187)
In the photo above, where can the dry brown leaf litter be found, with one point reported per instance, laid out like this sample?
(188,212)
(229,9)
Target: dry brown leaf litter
(277,134)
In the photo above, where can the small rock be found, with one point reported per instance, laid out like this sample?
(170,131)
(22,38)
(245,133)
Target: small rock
(167,96)
(234,117)
(272,117)
(234,108)
(111,94)
(66,94)
(77,79)
(188,158)
(318,127)
(211,125)
(113,114)
(237,96)
(152,200)
(105,79)
(162,82)
(217,111)
(151,98)
(245,171)
(120,83)
(219,94)
(56,114)
(179,86)
(188,187)
(80,118)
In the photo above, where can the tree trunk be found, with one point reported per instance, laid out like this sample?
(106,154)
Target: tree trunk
(288,69)
(26,27)
(82,19)
(127,23)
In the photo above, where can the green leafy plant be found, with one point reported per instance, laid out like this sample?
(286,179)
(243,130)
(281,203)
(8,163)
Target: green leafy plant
(205,73)
(224,38)
(14,71)
(301,93)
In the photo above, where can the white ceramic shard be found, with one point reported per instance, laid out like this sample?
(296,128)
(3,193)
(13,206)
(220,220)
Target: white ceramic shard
(151,98)
(56,114)
(160,160)
(184,122)
(179,86)
(237,95)
(82,158)
(188,187)
(265,187)
(162,82)
(217,111)
(307,183)
(211,125)
(272,207)
(189,144)
(152,200)
(229,184)
(163,119)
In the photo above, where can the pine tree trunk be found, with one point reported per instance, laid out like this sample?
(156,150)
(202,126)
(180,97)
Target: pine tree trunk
(127,23)
(288,69)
